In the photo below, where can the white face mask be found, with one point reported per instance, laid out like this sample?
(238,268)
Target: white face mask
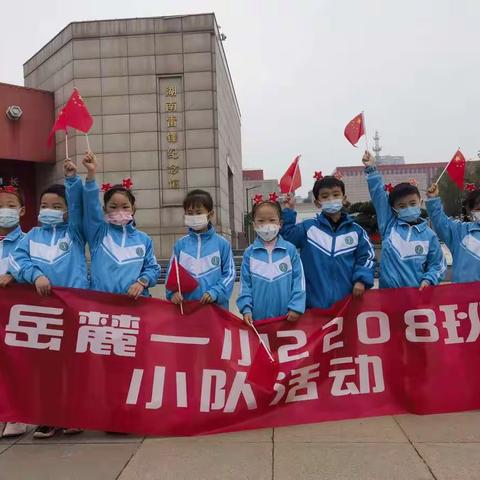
(196,222)
(9,217)
(267,232)
(475,215)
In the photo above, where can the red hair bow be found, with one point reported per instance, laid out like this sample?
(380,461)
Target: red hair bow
(127,183)
(388,187)
(257,198)
(272,197)
(8,189)
(106,187)
(317,175)
(470,187)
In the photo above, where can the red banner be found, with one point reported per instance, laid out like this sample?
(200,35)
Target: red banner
(104,362)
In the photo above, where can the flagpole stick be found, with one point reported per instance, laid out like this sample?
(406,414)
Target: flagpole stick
(88,142)
(443,171)
(262,343)
(365,130)
(66,144)
(177,271)
(293,176)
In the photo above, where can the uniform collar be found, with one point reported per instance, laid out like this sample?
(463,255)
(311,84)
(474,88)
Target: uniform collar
(129,227)
(344,220)
(209,233)
(420,227)
(13,235)
(51,227)
(259,244)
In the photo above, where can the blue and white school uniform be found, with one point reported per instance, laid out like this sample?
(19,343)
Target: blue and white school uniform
(7,246)
(208,258)
(121,255)
(272,283)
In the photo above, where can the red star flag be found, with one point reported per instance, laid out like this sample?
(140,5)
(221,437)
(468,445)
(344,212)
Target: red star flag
(74,114)
(355,129)
(179,279)
(292,179)
(456,169)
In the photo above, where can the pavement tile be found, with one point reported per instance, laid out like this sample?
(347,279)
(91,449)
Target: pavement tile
(340,461)
(180,460)
(377,429)
(452,461)
(451,427)
(3,447)
(65,462)
(247,436)
(82,438)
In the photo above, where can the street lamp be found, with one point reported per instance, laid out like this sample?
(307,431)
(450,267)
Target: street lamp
(247,230)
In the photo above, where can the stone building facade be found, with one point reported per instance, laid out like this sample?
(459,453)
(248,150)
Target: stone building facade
(165,111)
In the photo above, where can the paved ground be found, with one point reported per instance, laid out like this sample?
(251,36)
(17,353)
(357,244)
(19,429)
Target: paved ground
(443,447)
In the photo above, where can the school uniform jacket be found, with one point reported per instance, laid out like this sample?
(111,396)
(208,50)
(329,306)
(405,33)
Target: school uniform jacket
(333,259)
(7,246)
(411,253)
(58,252)
(121,255)
(462,239)
(271,283)
(208,257)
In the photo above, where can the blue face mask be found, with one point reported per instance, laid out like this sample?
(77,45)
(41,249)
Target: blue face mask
(409,214)
(332,206)
(9,217)
(49,216)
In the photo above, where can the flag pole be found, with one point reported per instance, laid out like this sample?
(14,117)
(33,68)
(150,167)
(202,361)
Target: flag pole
(88,142)
(262,343)
(365,130)
(293,176)
(177,271)
(66,143)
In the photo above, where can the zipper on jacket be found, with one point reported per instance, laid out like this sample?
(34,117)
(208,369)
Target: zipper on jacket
(124,236)
(199,245)
(54,228)
(409,232)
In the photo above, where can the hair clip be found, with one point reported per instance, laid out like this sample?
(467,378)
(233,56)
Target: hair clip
(272,197)
(338,175)
(470,187)
(258,198)
(8,189)
(318,175)
(413,181)
(388,187)
(127,183)
(106,187)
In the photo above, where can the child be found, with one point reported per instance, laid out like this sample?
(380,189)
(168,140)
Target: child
(336,254)
(12,207)
(54,253)
(462,238)
(411,252)
(206,255)
(272,281)
(123,260)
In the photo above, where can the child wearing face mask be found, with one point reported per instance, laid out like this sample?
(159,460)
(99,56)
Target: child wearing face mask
(123,259)
(204,254)
(336,254)
(272,283)
(411,252)
(53,254)
(462,238)
(12,207)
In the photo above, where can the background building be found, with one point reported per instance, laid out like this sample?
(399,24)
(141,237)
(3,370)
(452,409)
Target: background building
(254,183)
(165,111)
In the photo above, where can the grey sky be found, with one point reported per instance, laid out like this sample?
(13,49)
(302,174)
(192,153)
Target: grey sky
(303,69)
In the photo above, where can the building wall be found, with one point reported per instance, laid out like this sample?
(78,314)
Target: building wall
(254,187)
(26,139)
(122,68)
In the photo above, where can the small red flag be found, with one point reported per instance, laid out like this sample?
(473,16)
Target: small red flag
(292,179)
(355,129)
(187,282)
(263,371)
(74,114)
(456,169)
